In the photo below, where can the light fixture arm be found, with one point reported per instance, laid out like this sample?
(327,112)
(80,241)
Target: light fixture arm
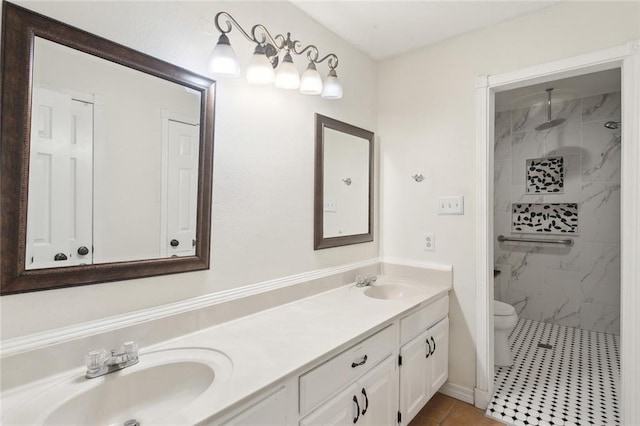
(332,61)
(261,35)
(265,37)
(230,20)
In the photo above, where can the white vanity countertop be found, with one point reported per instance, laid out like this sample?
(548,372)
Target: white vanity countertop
(271,345)
(275,344)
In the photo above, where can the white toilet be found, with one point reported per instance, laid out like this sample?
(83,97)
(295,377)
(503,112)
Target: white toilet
(504,319)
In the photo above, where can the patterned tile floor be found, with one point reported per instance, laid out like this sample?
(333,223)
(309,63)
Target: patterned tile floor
(576,382)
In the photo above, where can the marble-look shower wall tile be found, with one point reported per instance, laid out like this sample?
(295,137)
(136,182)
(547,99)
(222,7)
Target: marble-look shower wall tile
(600,212)
(601,153)
(502,132)
(600,280)
(563,139)
(501,186)
(600,318)
(518,195)
(527,119)
(602,107)
(524,145)
(561,297)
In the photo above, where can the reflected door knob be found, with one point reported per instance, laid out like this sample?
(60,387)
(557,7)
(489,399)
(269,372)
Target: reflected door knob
(83,251)
(60,256)
(174,243)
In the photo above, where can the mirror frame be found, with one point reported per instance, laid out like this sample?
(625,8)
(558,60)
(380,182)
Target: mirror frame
(20,27)
(319,241)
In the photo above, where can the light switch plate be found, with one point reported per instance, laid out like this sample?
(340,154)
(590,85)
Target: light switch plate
(330,206)
(451,205)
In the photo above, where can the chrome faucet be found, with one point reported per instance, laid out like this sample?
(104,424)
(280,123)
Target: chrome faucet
(101,362)
(365,280)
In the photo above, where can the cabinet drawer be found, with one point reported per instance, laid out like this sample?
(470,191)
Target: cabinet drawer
(415,323)
(324,380)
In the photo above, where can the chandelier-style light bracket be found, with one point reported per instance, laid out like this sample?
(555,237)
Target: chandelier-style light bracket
(223,60)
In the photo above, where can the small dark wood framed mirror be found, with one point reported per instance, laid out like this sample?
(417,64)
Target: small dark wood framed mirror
(343,184)
(106,156)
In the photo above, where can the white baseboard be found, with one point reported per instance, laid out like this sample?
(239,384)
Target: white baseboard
(457,392)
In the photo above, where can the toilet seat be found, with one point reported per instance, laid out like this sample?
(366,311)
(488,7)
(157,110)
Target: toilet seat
(502,309)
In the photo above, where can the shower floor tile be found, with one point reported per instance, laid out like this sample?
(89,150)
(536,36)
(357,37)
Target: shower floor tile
(576,382)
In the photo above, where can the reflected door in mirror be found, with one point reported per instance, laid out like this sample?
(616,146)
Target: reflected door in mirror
(59,226)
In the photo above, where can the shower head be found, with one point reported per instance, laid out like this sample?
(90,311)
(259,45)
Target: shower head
(550,123)
(613,125)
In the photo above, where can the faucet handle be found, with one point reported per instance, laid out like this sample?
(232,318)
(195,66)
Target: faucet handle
(130,348)
(373,279)
(361,279)
(97,359)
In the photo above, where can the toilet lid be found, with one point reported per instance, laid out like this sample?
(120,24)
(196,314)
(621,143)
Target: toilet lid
(502,309)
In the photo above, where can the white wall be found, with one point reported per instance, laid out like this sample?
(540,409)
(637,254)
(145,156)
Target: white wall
(426,124)
(263,164)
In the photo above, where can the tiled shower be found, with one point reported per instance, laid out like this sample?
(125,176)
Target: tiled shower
(568,179)
(556,185)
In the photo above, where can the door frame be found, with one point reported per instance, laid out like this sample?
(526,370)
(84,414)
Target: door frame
(627,58)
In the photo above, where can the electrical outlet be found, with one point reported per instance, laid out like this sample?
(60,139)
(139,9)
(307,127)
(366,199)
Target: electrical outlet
(429,242)
(451,205)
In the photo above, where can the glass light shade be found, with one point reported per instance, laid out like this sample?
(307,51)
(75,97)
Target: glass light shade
(223,59)
(260,70)
(287,76)
(332,86)
(311,82)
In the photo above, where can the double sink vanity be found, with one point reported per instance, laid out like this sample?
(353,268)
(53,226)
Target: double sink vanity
(370,352)
(353,355)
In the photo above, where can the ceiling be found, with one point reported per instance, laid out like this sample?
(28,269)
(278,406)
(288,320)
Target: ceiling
(565,89)
(383,29)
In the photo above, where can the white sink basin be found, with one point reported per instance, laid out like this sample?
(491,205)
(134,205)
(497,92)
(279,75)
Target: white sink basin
(166,387)
(393,290)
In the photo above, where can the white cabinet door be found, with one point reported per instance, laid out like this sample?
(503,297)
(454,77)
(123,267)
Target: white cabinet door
(270,411)
(439,359)
(340,410)
(379,395)
(415,377)
(425,368)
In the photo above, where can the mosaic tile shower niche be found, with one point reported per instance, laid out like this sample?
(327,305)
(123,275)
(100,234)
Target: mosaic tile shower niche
(561,218)
(545,175)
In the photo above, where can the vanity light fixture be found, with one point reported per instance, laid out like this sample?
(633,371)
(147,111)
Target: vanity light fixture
(265,60)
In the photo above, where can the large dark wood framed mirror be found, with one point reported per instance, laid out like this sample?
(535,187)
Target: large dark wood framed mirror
(106,157)
(343,210)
